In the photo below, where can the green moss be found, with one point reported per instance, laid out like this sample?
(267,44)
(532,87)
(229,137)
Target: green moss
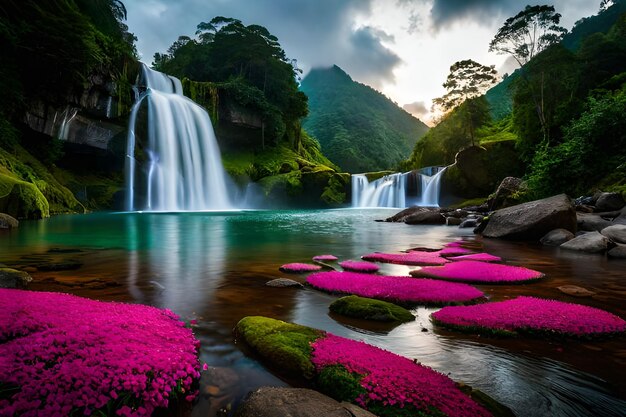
(373,176)
(368,309)
(335,192)
(284,345)
(339,383)
(21,199)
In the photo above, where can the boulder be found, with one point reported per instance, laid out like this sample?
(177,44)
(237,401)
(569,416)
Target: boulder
(294,402)
(592,242)
(369,309)
(532,220)
(12,278)
(556,237)
(591,222)
(453,221)
(469,223)
(283,283)
(619,251)
(505,193)
(407,212)
(425,217)
(616,232)
(609,202)
(575,291)
(8,222)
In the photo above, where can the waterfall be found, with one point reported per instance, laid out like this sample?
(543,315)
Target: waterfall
(182,168)
(393,190)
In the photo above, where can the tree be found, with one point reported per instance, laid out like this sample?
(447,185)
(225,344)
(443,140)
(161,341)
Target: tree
(467,80)
(525,35)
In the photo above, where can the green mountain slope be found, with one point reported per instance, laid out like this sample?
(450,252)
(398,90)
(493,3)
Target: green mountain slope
(359,128)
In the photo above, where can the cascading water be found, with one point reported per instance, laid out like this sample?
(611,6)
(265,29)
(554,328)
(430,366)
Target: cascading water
(183,168)
(392,190)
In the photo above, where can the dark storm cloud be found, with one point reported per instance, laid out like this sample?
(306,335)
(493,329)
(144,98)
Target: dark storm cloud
(417,108)
(315,32)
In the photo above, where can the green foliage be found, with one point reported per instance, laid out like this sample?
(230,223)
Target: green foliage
(340,384)
(284,345)
(369,309)
(359,129)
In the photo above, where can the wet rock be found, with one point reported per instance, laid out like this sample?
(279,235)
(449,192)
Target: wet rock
(584,201)
(283,283)
(619,251)
(556,237)
(294,402)
(592,242)
(575,291)
(12,278)
(532,220)
(609,202)
(425,217)
(401,216)
(453,221)
(617,233)
(469,223)
(584,209)
(8,222)
(505,193)
(591,222)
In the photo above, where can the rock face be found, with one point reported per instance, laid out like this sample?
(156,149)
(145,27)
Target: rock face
(556,237)
(616,232)
(532,220)
(295,402)
(592,242)
(12,278)
(609,202)
(8,222)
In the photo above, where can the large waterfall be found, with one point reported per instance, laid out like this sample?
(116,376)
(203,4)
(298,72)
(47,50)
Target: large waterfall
(419,188)
(179,167)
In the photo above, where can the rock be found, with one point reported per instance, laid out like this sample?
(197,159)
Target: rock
(293,402)
(458,213)
(619,251)
(369,309)
(591,222)
(584,209)
(469,223)
(575,291)
(532,220)
(283,283)
(8,222)
(453,221)
(12,278)
(592,242)
(556,237)
(584,201)
(505,193)
(401,216)
(425,217)
(610,202)
(616,232)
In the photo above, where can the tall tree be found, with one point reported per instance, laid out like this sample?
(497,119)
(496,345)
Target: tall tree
(525,35)
(467,80)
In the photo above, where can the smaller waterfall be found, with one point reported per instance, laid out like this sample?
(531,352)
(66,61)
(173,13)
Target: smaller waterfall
(393,190)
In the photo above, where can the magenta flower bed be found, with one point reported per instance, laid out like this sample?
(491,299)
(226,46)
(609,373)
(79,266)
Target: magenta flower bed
(402,290)
(298,268)
(70,354)
(480,257)
(325,258)
(359,266)
(416,258)
(529,314)
(479,272)
(393,380)
(454,251)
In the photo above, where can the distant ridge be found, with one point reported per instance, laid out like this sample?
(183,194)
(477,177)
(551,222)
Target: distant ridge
(359,128)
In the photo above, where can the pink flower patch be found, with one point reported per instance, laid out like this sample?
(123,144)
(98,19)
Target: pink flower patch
(532,314)
(403,290)
(478,272)
(391,379)
(454,251)
(325,258)
(69,353)
(298,268)
(480,257)
(359,266)
(416,258)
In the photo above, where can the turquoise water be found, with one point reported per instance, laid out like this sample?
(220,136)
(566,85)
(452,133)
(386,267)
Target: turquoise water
(212,267)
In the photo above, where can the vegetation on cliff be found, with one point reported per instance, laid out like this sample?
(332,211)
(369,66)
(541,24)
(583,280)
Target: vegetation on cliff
(359,128)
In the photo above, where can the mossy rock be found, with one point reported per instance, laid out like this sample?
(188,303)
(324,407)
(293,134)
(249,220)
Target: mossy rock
(285,346)
(21,199)
(336,191)
(369,309)
(373,176)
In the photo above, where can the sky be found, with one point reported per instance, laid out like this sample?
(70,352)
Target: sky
(403,48)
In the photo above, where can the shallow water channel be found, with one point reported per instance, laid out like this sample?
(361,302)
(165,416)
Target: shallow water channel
(212,267)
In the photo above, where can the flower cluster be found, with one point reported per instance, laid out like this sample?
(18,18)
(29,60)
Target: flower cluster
(359,266)
(454,251)
(325,258)
(299,268)
(474,271)
(402,290)
(480,257)
(532,314)
(70,355)
(392,380)
(416,258)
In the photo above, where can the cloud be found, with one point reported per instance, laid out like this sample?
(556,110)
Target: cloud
(370,61)
(417,109)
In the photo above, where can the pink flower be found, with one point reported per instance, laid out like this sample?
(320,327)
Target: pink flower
(474,271)
(299,268)
(481,257)
(359,266)
(325,258)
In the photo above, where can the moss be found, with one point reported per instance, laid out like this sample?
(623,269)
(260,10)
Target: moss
(21,199)
(373,176)
(286,346)
(335,192)
(340,384)
(369,309)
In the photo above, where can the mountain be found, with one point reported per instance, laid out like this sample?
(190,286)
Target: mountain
(359,128)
